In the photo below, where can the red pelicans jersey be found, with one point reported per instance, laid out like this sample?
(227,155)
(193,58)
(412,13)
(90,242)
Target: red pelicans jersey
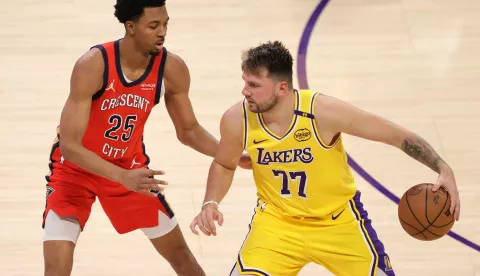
(120,110)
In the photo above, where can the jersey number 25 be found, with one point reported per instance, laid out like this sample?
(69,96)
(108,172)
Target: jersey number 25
(117,122)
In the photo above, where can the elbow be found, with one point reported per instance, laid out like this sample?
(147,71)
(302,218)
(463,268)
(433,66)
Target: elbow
(67,150)
(186,137)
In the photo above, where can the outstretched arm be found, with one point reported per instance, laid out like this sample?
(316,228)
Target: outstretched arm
(230,150)
(336,116)
(179,107)
(221,171)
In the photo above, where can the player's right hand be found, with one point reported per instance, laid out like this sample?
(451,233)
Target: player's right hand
(206,220)
(141,180)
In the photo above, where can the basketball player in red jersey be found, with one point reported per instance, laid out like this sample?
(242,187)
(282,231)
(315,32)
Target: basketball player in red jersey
(99,152)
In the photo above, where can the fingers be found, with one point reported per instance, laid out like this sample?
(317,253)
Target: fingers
(198,222)
(454,199)
(149,172)
(454,203)
(154,187)
(211,223)
(151,189)
(201,225)
(193,226)
(146,192)
(219,218)
(156,172)
(457,211)
(156,181)
(455,207)
(152,184)
(205,223)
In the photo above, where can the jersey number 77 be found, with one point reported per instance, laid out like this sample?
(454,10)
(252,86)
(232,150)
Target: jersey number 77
(287,177)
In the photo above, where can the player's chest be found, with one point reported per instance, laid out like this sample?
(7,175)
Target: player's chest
(136,101)
(266,150)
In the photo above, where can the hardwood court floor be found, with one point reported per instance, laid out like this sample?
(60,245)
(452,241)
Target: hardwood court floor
(416,62)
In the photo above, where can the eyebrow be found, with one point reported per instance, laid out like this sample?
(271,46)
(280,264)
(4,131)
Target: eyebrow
(158,21)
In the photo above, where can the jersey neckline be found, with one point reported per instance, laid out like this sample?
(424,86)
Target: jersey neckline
(292,123)
(119,67)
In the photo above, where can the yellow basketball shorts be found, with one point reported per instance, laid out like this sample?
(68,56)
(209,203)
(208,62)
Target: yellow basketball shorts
(344,243)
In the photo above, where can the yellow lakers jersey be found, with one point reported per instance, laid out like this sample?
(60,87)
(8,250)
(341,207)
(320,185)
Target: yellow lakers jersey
(298,173)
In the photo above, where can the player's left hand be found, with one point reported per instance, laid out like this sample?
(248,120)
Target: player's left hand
(245,162)
(447,181)
(206,220)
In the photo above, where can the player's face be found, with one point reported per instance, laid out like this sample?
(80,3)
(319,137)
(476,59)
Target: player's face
(260,91)
(151,29)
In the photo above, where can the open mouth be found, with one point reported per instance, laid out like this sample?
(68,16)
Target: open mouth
(159,44)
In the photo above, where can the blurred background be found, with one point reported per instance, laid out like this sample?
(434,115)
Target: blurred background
(415,62)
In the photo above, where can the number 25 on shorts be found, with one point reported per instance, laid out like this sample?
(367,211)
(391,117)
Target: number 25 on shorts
(287,177)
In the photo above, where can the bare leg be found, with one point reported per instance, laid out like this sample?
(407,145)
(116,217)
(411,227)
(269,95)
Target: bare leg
(59,244)
(58,256)
(174,249)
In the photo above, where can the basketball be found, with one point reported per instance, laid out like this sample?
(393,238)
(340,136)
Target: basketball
(425,215)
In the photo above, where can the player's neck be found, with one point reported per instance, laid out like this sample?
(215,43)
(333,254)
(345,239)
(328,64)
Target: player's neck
(283,112)
(131,57)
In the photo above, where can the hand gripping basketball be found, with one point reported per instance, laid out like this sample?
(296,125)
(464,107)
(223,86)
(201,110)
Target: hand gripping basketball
(447,181)
(206,220)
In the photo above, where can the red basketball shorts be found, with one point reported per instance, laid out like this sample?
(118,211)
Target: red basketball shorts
(71,193)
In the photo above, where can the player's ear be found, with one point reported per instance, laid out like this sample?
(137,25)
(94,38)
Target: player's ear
(282,87)
(129,28)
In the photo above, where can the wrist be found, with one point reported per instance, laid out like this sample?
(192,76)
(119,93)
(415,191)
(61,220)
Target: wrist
(445,169)
(118,175)
(210,202)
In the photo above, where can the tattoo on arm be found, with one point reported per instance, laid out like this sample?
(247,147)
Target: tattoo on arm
(421,151)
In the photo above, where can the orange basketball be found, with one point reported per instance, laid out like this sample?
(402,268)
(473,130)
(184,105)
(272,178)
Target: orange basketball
(425,215)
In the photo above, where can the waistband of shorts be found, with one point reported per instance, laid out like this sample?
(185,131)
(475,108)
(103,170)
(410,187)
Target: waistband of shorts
(264,205)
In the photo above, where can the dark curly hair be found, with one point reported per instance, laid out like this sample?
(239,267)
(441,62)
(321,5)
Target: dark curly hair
(272,56)
(132,10)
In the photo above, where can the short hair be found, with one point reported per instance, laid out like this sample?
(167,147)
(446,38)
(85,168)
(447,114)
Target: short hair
(272,56)
(132,10)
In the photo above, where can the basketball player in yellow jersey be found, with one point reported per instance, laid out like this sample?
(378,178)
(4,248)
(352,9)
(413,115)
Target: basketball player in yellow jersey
(308,208)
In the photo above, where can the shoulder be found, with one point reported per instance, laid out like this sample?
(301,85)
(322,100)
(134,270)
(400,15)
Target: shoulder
(234,113)
(325,105)
(335,115)
(88,71)
(175,62)
(176,74)
(91,60)
(232,120)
